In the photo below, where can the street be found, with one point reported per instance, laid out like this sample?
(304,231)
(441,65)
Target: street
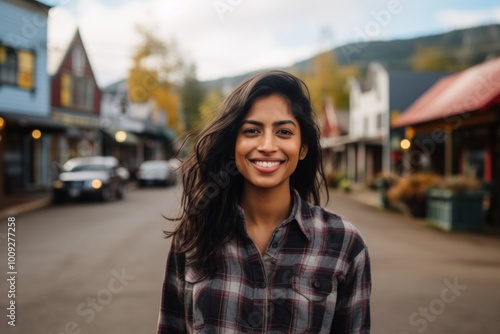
(89,267)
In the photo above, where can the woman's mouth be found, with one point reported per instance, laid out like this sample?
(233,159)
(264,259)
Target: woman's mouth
(266,164)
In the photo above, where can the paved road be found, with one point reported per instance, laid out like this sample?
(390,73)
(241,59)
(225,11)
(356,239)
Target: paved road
(97,268)
(425,280)
(92,267)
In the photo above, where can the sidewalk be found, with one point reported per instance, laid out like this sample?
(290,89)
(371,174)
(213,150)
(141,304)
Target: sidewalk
(371,198)
(21,203)
(17,204)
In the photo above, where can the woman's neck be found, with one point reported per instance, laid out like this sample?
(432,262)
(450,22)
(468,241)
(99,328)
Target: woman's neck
(266,208)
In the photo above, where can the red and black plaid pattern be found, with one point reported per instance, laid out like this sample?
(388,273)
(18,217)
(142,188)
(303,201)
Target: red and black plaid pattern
(313,278)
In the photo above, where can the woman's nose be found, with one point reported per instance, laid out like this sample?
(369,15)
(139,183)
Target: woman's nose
(267,143)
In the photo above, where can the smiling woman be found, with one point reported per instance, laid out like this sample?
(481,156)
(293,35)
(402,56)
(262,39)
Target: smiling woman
(250,253)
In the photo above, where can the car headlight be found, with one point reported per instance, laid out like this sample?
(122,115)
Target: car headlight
(57,184)
(96,184)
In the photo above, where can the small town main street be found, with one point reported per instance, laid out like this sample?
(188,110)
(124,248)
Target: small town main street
(97,268)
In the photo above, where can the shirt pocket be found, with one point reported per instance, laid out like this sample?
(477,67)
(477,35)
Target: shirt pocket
(314,298)
(313,287)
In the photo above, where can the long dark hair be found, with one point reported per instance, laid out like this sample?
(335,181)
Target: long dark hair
(212,184)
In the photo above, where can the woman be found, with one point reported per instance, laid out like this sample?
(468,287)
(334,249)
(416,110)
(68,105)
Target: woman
(250,254)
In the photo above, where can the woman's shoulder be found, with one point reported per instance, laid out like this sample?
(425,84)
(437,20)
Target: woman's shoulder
(338,231)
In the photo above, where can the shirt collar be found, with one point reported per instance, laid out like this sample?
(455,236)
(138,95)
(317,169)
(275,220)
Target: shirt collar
(301,213)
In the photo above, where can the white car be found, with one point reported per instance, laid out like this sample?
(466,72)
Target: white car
(101,177)
(156,172)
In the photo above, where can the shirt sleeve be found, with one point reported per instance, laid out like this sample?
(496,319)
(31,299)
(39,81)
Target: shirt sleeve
(172,312)
(352,313)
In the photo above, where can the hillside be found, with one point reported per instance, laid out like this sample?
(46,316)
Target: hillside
(471,46)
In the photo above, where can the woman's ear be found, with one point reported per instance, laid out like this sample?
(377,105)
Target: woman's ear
(303,152)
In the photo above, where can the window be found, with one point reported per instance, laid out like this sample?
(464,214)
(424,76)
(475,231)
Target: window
(379,121)
(77,91)
(66,89)
(78,61)
(26,69)
(17,67)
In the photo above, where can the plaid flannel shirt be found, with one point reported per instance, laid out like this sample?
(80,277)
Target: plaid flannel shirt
(314,277)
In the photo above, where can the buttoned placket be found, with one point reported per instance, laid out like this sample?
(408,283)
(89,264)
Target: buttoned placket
(263,269)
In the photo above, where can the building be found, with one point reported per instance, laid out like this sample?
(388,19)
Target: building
(76,102)
(133,132)
(372,145)
(454,128)
(28,137)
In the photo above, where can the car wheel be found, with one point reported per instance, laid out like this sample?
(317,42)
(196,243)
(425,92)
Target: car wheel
(120,192)
(105,194)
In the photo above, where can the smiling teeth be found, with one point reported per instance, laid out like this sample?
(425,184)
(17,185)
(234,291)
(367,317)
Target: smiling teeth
(267,164)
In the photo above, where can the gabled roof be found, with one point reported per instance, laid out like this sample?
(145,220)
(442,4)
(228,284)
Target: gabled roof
(407,86)
(331,125)
(471,90)
(115,87)
(76,38)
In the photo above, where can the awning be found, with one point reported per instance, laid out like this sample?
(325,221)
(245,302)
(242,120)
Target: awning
(167,133)
(122,136)
(25,121)
(346,140)
(471,90)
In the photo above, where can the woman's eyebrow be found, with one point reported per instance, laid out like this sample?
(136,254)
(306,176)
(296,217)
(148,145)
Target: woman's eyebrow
(277,123)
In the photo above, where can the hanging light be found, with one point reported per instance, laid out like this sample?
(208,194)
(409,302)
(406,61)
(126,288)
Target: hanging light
(36,134)
(120,136)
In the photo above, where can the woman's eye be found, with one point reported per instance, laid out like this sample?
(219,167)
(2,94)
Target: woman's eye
(284,132)
(250,131)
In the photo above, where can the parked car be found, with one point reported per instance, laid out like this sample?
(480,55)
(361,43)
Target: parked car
(156,172)
(97,176)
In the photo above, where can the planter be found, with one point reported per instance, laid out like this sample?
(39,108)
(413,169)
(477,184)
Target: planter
(383,186)
(452,211)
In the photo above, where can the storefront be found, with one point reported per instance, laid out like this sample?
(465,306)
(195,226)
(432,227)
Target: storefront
(28,148)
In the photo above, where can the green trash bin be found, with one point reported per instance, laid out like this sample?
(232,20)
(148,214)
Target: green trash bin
(452,211)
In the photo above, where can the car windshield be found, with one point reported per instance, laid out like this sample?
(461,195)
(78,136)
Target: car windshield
(87,167)
(157,167)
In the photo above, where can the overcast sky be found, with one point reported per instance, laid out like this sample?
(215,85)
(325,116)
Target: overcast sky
(230,37)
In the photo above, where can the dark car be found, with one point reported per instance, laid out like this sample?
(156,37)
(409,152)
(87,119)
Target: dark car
(100,177)
(156,172)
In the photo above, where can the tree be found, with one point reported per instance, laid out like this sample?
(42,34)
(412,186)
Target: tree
(326,79)
(192,94)
(434,58)
(156,67)
(209,106)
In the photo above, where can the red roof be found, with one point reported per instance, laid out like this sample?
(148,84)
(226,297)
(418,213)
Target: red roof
(474,89)
(331,126)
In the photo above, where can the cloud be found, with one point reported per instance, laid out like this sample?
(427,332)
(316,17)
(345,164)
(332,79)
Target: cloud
(456,19)
(247,35)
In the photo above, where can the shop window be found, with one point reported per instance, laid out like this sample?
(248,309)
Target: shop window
(474,162)
(17,67)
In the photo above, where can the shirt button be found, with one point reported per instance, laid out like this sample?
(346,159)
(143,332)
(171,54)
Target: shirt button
(275,245)
(316,284)
(262,285)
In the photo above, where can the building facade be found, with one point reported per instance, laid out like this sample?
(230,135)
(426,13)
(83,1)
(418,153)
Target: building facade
(28,137)
(454,129)
(76,102)
(372,146)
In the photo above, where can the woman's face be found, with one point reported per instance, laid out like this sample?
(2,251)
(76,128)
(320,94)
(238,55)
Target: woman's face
(268,146)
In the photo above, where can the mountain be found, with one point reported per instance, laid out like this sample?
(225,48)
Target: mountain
(471,46)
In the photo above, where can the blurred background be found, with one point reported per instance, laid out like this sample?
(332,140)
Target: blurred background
(406,94)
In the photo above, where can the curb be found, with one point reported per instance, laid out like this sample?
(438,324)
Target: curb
(25,207)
